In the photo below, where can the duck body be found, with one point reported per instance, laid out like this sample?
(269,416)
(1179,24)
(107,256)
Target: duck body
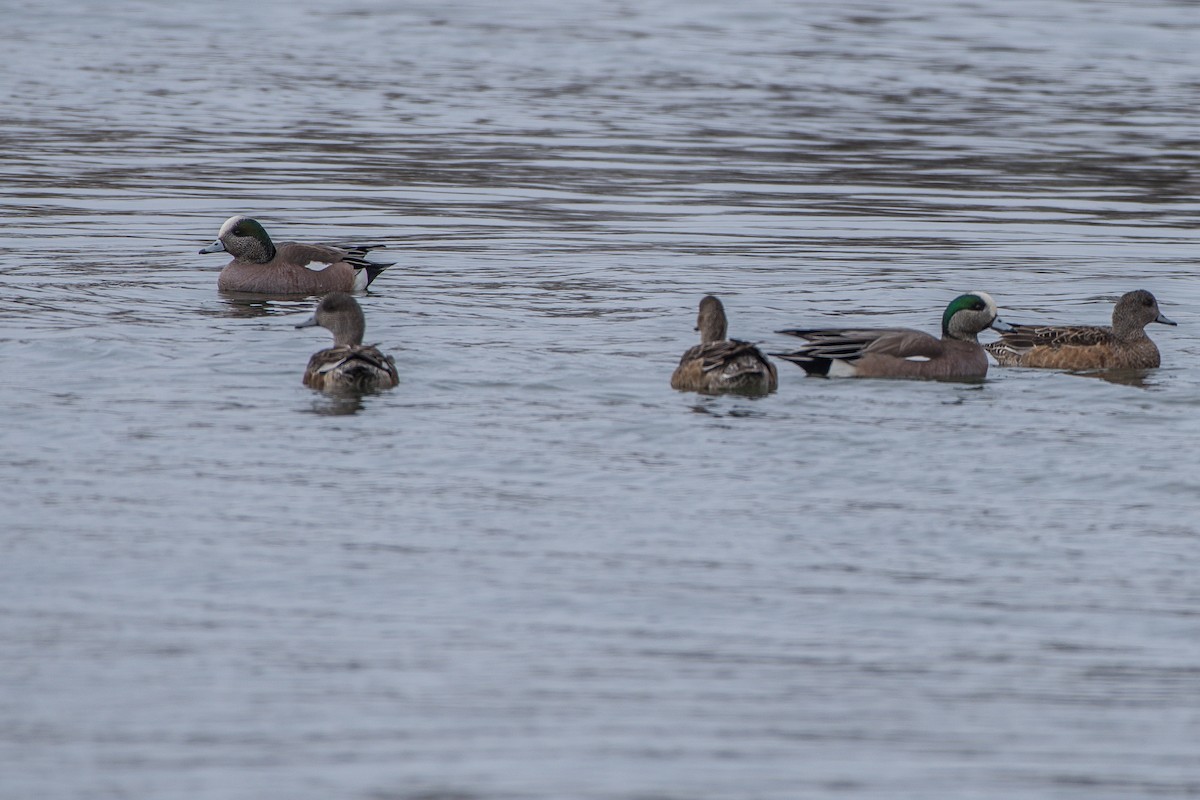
(718,365)
(902,352)
(886,353)
(260,266)
(1122,346)
(351,368)
(725,366)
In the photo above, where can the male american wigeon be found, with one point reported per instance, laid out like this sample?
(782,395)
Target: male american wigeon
(349,365)
(262,267)
(901,352)
(718,364)
(1123,346)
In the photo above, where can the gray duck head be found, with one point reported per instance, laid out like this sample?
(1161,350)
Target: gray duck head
(711,320)
(340,314)
(1134,311)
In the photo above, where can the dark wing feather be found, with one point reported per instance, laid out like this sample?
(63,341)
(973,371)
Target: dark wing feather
(371,354)
(850,344)
(356,256)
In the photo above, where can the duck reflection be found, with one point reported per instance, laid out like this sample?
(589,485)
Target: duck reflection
(343,404)
(1139,378)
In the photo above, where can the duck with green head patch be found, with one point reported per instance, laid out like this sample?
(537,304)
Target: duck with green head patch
(260,266)
(902,352)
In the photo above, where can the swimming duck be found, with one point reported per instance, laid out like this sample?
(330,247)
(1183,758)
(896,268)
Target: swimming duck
(718,364)
(262,267)
(1125,345)
(902,352)
(349,365)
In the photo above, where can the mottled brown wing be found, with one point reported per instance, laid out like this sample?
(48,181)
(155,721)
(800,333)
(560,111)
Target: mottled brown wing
(373,356)
(1026,337)
(716,355)
(321,363)
(349,361)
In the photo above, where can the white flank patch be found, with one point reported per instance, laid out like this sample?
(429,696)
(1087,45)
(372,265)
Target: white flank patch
(917,358)
(360,279)
(842,369)
(316,266)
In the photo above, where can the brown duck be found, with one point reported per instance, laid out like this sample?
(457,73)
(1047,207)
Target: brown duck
(349,365)
(1125,345)
(901,352)
(262,267)
(718,365)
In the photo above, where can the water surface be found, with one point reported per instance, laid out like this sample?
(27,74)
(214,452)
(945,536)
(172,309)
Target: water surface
(533,570)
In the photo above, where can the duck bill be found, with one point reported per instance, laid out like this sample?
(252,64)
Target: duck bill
(1002,326)
(311,322)
(215,247)
(1164,320)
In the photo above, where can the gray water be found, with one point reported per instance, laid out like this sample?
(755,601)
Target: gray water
(533,570)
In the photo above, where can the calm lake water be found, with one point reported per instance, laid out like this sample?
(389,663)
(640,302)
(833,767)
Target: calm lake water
(533,571)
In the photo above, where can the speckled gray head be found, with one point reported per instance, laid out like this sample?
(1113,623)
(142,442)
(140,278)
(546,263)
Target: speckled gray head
(244,238)
(1137,309)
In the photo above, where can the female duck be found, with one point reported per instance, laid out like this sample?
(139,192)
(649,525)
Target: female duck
(349,365)
(901,352)
(1123,346)
(261,267)
(718,364)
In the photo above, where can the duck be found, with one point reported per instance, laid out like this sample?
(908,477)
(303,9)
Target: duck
(718,365)
(260,266)
(349,365)
(1124,345)
(902,352)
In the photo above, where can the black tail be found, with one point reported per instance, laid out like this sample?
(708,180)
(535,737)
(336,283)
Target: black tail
(356,255)
(373,269)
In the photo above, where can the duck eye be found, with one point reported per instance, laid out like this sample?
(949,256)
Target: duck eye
(978,305)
